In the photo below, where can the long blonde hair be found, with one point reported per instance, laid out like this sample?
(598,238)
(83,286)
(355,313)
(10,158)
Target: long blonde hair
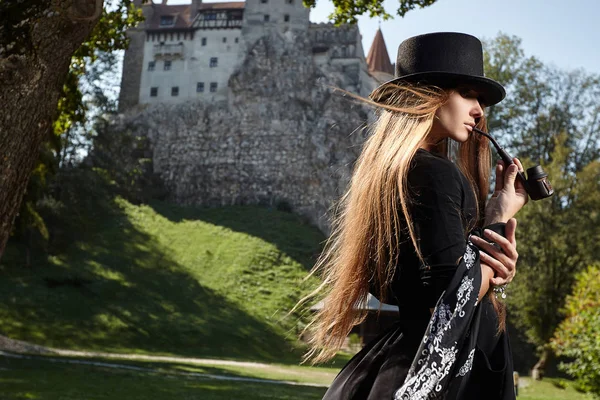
(364,242)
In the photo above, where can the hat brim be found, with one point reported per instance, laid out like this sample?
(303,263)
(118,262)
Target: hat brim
(491,92)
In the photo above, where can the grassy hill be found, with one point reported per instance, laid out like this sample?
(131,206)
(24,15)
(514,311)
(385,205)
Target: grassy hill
(165,279)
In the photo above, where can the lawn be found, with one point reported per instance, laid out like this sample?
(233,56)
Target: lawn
(26,379)
(163,279)
(41,378)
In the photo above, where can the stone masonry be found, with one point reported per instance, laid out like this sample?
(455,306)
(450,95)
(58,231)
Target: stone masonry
(282,135)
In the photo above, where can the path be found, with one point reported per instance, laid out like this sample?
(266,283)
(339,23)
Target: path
(24,350)
(142,369)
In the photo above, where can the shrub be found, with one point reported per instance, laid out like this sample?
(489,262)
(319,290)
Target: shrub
(578,336)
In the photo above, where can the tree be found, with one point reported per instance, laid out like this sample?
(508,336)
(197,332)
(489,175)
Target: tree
(550,117)
(578,336)
(345,12)
(42,56)
(541,103)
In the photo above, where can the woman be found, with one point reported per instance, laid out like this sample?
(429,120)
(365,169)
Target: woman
(409,232)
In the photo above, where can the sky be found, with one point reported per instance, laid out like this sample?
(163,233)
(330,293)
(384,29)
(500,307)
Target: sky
(560,33)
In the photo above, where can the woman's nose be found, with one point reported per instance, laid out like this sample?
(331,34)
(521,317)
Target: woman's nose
(477,110)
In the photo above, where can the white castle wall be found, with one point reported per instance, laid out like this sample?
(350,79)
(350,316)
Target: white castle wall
(229,47)
(192,67)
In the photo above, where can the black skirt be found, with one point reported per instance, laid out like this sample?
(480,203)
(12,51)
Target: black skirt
(457,354)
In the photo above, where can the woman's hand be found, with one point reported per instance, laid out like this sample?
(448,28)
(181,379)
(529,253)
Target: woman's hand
(504,263)
(509,194)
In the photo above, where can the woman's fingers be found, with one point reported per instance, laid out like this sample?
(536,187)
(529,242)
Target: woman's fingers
(516,161)
(519,186)
(504,261)
(508,248)
(496,281)
(497,266)
(499,178)
(510,175)
(510,231)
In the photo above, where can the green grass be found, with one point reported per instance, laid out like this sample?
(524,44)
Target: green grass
(163,279)
(546,390)
(278,372)
(42,379)
(28,379)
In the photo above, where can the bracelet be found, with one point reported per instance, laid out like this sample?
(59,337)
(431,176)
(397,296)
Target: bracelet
(500,290)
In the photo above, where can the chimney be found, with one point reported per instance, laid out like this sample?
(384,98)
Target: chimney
(164,2)
(196,4)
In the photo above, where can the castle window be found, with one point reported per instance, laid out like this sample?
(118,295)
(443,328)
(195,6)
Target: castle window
(289,1)
(214,61)
(167,20)
(175,91)
(267,17)
(264,1)
(200,87)
(286,18)
(213,87)
(237,40)
(224,40)
(153,91)
(167,66)
(203,41)
(151,65)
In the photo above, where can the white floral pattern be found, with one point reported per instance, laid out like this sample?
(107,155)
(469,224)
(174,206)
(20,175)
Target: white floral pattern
(431,369)
(467,365)
(469,257)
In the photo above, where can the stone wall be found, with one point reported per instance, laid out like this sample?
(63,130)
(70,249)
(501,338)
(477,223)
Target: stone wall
(282,137)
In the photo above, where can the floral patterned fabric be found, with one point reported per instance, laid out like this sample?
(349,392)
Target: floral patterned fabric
(445,353)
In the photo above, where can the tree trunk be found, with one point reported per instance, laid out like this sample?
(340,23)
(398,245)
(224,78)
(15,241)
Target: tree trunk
(539,368)
(37,40)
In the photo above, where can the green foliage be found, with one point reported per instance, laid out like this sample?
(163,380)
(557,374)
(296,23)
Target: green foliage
(552,118)
(557,238)
(126,158)
(578,336)
(560,383)
(542,102)
(345,11)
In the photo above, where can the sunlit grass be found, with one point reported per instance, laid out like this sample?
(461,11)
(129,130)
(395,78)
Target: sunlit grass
(546,390)
(169,280)
(34,379)
(41,378)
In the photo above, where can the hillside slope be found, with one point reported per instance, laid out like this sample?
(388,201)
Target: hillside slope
(168,280)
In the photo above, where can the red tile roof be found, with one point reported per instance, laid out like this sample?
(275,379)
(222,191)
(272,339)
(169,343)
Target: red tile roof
(183,13)
(223,5)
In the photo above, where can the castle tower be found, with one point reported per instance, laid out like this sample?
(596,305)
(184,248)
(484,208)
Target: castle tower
(262,15)
(133,60)
(379,60)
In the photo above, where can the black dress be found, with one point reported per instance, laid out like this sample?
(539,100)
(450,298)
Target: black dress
(455,352)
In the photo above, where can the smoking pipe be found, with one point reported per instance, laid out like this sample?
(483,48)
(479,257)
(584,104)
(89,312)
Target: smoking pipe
(536,183)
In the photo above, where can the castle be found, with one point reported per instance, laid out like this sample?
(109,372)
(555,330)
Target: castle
(235,100)
(189,52)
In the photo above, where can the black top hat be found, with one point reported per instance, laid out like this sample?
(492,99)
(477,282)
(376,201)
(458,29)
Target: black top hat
(446,59)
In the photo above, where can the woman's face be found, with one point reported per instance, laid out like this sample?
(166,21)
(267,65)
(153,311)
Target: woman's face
(456,118)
